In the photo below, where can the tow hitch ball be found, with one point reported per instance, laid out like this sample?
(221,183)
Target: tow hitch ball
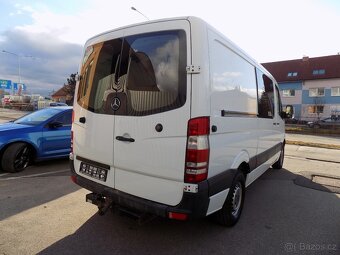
(104,204)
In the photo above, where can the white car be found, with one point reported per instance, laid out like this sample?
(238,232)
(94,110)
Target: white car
(173,119)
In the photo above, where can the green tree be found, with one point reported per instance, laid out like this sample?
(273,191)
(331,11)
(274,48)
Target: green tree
(70,88)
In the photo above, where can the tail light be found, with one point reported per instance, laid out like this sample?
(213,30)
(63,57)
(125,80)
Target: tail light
(197,154)
(178,216)
(74,178)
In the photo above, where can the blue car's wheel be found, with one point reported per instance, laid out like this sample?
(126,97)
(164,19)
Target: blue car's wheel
(16,157)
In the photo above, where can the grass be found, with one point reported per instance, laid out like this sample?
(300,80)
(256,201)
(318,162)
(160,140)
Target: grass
(304,130)
(312,131)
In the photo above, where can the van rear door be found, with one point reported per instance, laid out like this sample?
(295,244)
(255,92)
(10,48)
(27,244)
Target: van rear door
(135,98)
(93,124)
(151,122)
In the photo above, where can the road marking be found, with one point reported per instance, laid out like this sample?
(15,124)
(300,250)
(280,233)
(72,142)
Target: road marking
(4,174)
(34,175)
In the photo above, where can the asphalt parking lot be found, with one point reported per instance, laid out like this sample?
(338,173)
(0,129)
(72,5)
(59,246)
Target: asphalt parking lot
(43,212)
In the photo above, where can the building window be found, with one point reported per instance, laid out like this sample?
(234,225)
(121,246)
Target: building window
(319,71)
(335,92)
(292,74)
(288,93)
(315,109)
(316,92)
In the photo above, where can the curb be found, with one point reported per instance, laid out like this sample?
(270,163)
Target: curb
(305,179)
(318,145)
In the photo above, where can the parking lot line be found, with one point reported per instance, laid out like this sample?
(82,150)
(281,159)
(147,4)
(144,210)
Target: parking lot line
(4,174)
(33,175)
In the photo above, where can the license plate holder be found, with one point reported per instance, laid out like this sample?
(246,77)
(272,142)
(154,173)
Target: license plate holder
(93,171)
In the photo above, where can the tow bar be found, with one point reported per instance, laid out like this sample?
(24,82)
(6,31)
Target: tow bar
(103,203)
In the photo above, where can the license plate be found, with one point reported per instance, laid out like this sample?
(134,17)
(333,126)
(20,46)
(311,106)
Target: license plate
(93,171)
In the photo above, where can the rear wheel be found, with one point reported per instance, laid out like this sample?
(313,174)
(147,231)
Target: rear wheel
(16,157)
(230,213)
(279,163)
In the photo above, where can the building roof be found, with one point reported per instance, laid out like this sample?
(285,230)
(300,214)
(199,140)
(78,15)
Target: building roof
(60,93)
(327,67)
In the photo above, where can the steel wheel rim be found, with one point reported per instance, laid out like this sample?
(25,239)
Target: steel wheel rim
(22,159)
(236,199)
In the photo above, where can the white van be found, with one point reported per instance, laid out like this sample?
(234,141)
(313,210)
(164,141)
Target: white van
(173,119)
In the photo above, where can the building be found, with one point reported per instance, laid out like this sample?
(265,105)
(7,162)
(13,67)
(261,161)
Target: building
(60,95)
(310,85)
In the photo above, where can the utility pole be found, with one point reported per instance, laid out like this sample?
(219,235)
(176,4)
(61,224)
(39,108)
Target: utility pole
(19,65)
(134,9)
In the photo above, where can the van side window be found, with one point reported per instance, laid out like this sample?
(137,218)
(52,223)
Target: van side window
(233,82)
(265,91)
(279,102)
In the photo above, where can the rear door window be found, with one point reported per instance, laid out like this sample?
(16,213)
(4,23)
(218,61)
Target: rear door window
(137,75)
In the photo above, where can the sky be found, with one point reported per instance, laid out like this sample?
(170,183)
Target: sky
(48,35)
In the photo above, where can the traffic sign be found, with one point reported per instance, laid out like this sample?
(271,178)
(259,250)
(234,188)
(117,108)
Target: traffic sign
(17,86)
(5,84)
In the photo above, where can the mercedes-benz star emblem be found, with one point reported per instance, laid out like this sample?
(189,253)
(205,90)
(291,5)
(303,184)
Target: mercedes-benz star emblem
(115,105)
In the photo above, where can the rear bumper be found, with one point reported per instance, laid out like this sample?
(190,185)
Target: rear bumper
(195,205)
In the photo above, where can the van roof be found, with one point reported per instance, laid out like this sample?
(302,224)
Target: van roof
(139,24)
(191,19)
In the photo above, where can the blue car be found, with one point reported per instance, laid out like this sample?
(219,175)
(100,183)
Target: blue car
(40,135)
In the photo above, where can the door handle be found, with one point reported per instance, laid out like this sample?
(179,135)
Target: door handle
(125,139)
(82,119)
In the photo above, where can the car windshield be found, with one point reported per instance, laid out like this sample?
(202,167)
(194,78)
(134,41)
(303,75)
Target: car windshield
(36,118)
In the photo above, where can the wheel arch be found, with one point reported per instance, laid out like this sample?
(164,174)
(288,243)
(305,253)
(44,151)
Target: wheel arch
(32,147)
(241,162)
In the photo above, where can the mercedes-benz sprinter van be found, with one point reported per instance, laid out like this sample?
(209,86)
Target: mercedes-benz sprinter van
(173,119)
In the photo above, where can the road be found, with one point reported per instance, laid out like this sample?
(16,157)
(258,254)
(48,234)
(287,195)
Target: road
(43,212)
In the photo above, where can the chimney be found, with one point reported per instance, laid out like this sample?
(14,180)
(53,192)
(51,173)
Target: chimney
(305,58)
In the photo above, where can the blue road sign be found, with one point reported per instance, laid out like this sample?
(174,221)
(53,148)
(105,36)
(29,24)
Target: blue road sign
(5,84)
(17,85)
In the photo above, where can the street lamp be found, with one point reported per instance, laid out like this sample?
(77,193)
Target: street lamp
(134,9)
(19,65)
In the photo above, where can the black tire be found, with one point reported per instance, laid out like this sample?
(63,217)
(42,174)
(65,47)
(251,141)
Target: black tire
(231,211)
(16,157)
(279,163)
